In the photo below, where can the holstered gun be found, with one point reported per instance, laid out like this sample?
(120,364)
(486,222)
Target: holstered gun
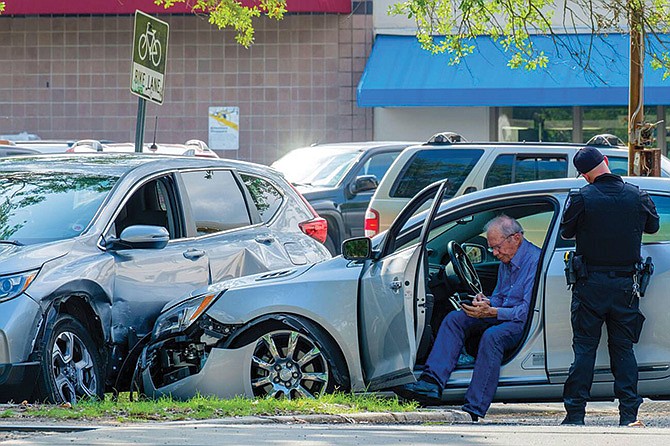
(575,268)
(644,271)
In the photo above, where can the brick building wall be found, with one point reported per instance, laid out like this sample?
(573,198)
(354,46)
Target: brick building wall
(68,77)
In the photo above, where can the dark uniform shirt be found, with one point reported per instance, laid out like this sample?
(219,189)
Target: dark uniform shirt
(608,183)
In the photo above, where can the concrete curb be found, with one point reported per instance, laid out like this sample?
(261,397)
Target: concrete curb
(418,417)
(428,416)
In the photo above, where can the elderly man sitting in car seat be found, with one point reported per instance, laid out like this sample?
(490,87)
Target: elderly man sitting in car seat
(502,318)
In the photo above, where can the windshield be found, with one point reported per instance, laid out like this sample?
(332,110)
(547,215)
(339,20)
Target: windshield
(37,207)
(316,167)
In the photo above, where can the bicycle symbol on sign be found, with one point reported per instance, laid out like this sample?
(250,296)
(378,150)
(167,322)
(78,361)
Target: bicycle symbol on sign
(149,44)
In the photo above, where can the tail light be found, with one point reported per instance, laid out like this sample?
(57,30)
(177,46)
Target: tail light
(317,227)
(371,223)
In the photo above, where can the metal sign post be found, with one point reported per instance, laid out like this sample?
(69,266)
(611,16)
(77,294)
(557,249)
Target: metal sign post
(147,77)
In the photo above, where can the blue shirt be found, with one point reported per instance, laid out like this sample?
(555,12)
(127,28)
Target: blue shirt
(515,284)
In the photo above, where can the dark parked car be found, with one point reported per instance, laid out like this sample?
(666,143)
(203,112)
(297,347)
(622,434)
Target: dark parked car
(338,180)
(92,246)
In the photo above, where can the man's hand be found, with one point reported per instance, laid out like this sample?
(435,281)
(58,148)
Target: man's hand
(481,308)
(480,299)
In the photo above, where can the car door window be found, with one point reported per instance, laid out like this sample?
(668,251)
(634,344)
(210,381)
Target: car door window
(535,218)
(217,202)
(618,165)
(510,168)
(428,166)
(662,203)
(153,204)
(378,164)
(267,198)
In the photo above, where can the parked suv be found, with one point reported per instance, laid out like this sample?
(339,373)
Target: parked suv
(92,246)
(338,180)
(472,166)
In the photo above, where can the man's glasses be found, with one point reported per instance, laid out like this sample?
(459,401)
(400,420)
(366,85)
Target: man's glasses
(497,247)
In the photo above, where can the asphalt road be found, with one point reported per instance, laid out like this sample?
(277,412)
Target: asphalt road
(505,424)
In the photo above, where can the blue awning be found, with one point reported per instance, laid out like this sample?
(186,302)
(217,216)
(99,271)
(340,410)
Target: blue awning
(399,73)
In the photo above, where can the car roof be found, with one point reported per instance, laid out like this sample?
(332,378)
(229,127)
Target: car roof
(118,164)
(554,185)
(11,150)
(524,145)
(359,146)
(192,147)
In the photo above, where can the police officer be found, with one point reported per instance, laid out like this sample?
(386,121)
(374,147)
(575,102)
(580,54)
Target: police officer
(607,218)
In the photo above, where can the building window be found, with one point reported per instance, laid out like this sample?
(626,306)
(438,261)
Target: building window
(613,120)
(535,124)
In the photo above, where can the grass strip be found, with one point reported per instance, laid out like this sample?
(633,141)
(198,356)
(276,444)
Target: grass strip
(200,407)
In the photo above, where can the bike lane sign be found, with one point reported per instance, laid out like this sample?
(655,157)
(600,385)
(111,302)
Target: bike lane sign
(150,40)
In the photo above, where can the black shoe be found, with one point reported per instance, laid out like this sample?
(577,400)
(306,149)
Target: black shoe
(422,391)
(572,421)
(473,416)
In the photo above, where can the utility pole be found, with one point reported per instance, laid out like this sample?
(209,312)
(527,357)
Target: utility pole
(642,160)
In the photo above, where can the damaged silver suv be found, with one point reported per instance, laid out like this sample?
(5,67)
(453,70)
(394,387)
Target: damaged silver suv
(93,246)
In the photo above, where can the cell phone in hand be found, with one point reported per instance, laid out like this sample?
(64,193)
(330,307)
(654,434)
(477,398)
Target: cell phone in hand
(467,300)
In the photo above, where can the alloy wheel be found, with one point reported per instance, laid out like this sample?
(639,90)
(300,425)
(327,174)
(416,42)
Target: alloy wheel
(73,368)
(288,364)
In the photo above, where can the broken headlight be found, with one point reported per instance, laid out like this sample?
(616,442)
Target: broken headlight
(180,317)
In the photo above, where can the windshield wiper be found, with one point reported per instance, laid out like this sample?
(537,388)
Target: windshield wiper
(12,242)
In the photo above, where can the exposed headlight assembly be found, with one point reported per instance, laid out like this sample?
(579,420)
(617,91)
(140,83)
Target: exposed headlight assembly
(14,284)
(181,317)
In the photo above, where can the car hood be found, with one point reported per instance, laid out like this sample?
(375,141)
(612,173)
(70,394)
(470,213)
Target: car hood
(264,279)
(316,192)
(23,258)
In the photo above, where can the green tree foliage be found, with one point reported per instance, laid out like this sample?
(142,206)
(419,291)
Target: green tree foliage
(450,26)
(2,7)
(233,14)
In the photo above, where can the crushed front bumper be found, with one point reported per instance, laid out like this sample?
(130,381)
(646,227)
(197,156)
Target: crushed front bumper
(225,373)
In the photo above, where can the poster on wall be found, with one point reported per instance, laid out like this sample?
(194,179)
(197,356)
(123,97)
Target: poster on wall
(224,128)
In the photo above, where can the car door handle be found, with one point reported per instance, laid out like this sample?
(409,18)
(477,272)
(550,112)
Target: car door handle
(194,254)
(396,285)
(265,239)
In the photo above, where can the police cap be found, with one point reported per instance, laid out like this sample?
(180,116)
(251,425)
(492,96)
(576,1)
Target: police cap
(587,158)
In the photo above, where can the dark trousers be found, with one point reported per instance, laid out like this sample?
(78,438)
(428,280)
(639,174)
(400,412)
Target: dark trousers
(604,297)
(496,338)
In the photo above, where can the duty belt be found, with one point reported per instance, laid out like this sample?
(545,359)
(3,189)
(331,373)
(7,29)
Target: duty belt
(630,269)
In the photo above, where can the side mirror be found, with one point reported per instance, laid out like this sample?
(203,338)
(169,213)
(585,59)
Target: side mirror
(363,183)
(359,248)
(142,237)
(476,253)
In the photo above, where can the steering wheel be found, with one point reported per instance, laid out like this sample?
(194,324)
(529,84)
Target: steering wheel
(462,268)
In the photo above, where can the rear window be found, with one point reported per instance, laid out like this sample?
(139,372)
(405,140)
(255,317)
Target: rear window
(266,197)
(510,168)
(428,166)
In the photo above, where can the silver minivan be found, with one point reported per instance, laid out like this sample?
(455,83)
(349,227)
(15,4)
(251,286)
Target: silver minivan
(93,246)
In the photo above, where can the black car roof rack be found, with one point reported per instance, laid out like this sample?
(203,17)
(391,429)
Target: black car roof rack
(446,138)
(605,139)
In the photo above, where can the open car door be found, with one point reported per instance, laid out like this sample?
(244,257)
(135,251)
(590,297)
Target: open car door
(393,295)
